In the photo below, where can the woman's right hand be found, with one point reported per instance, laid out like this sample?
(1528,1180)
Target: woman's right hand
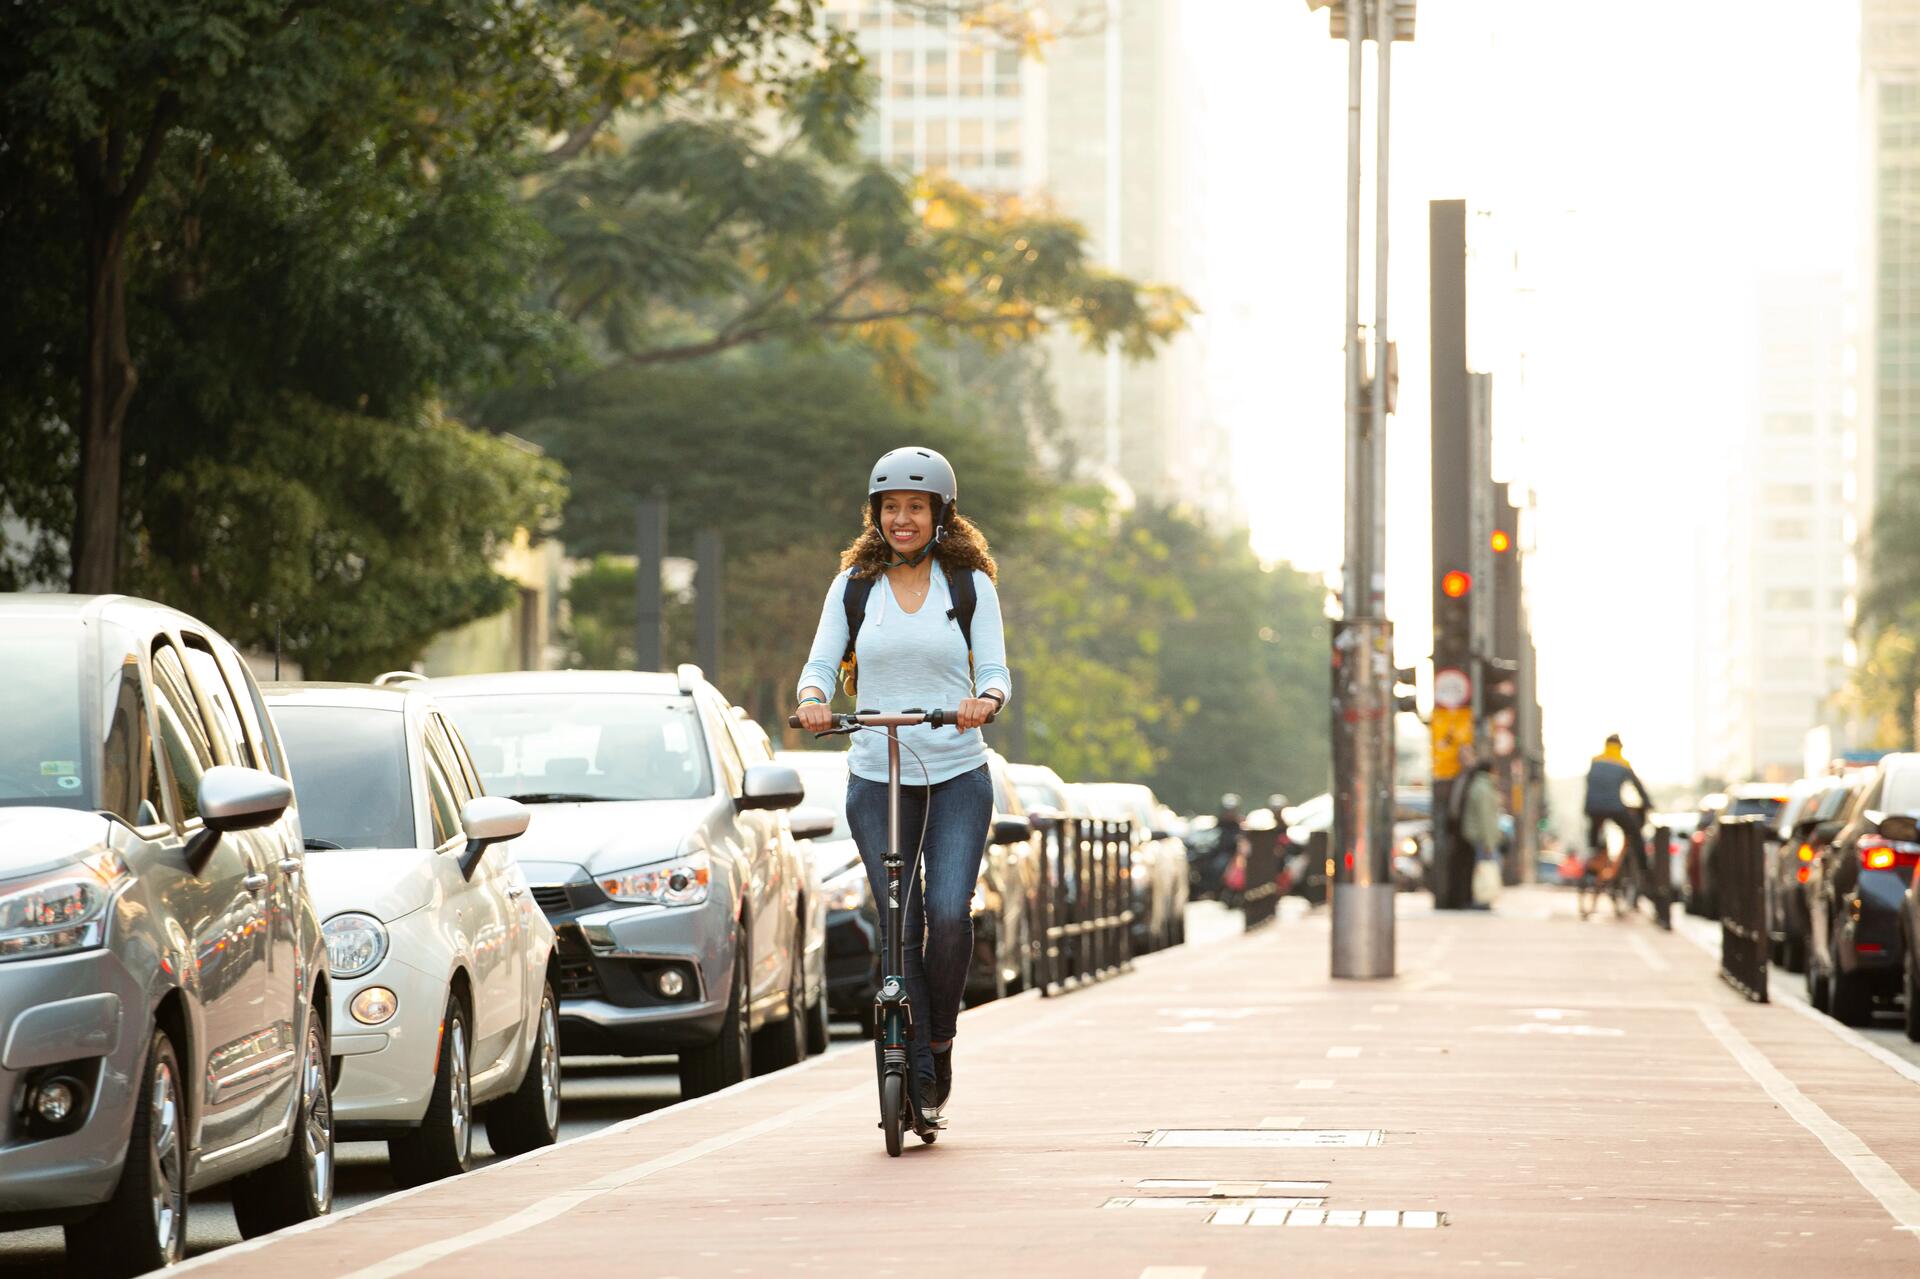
(815,717)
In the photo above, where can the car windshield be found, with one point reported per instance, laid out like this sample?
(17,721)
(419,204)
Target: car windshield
(42,760)
(562,746)
(350,774)
(825,782)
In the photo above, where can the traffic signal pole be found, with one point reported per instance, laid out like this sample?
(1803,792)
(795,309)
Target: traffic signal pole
(1454,501)
(1363,673)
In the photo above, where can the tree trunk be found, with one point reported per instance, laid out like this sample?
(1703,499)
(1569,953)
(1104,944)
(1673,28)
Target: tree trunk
(106,391)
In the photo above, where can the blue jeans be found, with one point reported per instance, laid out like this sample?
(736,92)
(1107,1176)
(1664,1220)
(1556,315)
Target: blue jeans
(938,936)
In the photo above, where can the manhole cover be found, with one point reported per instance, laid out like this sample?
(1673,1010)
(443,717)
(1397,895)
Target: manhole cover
(1263,1202)
(1366,1218)
(1262,1138)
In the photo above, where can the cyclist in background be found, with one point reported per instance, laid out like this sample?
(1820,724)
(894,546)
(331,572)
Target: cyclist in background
(1608,778)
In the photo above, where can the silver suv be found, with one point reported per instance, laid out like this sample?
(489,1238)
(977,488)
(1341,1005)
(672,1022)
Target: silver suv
(163,981)
(663,855)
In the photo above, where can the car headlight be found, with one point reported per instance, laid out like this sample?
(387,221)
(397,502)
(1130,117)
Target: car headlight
(356,944)
(847,890)
(60,911)
(680,882)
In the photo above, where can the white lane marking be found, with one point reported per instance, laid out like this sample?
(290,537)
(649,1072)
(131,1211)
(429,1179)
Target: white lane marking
(1873,1173)
(545,1210)
(1343,1052)
(1638,944)
(1308,1084)
(1174,1272)
(1702,934)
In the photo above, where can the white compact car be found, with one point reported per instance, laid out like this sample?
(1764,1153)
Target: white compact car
(443,998)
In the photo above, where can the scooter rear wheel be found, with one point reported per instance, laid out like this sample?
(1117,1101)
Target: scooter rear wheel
(893,1109)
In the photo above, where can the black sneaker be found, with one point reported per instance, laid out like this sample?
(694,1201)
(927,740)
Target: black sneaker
(942,1075)
(925,1090)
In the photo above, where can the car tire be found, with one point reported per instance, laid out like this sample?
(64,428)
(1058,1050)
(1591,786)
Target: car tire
(300,1186)
(134,1231)
(819,1026)
(529,1117)
(783,1043)
(1849,1000)
(1794,954)
(729,1058)
(1816,984)
(443,1144)
(1910,1000)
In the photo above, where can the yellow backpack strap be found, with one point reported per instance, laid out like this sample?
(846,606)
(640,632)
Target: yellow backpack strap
(855,599)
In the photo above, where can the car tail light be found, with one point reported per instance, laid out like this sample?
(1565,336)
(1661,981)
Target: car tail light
(1869,948)
(1803,874)
(1806,852)
(1879,853)
(1699,837)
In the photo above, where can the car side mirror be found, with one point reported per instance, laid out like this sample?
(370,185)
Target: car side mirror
(810,822)
(231,798)
(770,786)
(1008,829)
(489,820)
(1043,819)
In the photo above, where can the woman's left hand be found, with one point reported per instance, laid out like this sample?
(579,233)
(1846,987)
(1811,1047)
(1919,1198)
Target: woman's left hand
(975,710)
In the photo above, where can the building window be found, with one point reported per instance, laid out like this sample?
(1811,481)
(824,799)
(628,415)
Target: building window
(901,85)
(973,135)
(1789,600)
(902,141)
(1789,494)
(936,74)
(1789,424)
(972,73)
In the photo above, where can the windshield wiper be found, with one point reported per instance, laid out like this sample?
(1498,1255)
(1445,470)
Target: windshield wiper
(321,845)
(557,797)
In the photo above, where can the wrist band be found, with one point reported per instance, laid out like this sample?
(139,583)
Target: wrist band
(994,693)
(813,701)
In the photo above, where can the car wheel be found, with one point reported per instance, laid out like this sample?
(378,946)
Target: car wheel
(729,1058)
(299,1187)
(529,1117)
(443,1144)
(1816,984)
(1849,1000)
(819,1027)
(144,1226)
(1794,953)
(784,1043)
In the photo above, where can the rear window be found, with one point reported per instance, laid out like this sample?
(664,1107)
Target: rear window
(1903,792)
(1767,809)
(350,774)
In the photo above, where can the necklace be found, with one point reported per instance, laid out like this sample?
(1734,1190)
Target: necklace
(917,591)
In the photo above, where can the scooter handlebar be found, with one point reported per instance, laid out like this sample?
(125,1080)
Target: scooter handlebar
(897,719)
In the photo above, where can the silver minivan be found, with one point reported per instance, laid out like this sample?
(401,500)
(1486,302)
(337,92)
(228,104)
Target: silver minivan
(163,980)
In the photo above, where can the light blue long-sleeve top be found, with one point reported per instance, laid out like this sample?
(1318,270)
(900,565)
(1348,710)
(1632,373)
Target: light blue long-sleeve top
(916,659)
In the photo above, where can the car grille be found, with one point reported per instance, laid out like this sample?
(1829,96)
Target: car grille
(552,898)
(577,978)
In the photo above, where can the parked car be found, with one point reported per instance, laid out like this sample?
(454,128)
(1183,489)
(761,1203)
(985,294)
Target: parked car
(1004,897)
(1857,891)
(1412,838)
(1749,799)
(1041,789)
(1304,875)
(1791,846)
(852,915)
(1160,884)
(444,994)
(663,858)
(1202,839)
(163,979)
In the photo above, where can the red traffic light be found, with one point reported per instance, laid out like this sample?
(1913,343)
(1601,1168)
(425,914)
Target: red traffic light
(1455,584)
(1501,542)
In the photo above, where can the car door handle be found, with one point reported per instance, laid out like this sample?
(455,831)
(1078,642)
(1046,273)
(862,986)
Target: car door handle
(289,865)
(257,882)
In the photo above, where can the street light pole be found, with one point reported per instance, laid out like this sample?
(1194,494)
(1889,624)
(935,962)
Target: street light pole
(1363,700)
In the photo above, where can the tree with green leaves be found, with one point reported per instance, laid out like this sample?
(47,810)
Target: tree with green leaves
(1886,683)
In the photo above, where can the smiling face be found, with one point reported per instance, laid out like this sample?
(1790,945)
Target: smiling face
(906,521)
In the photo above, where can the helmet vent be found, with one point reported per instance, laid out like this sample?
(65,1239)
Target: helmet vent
(917,479)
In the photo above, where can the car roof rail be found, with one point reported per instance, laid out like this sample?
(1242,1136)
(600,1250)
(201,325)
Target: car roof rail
(395,679)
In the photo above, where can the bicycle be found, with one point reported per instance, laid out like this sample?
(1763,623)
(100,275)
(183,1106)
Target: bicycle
(892,1010)
(1624,879)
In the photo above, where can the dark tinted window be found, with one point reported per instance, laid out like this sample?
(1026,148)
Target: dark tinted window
(1766,809)
(601,745)
(350,774)
(230,744)
(182,736)
(41,755)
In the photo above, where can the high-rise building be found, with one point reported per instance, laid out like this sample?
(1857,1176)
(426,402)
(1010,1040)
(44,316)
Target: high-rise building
(1890,310)
(1781,593)
(1093,130)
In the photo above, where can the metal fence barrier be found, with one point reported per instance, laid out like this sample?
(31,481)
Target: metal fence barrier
(1261,898)
(1660,858)
(1085,902)
(1740,882)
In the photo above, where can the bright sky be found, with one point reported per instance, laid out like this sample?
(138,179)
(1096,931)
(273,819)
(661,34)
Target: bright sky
(1647,166)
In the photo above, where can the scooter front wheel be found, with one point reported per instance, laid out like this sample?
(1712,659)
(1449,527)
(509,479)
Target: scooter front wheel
(893,1109)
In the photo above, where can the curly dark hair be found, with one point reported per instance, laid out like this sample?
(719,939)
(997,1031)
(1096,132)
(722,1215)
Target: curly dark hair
(964,546)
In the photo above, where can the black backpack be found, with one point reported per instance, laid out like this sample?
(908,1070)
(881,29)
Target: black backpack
(959,586)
